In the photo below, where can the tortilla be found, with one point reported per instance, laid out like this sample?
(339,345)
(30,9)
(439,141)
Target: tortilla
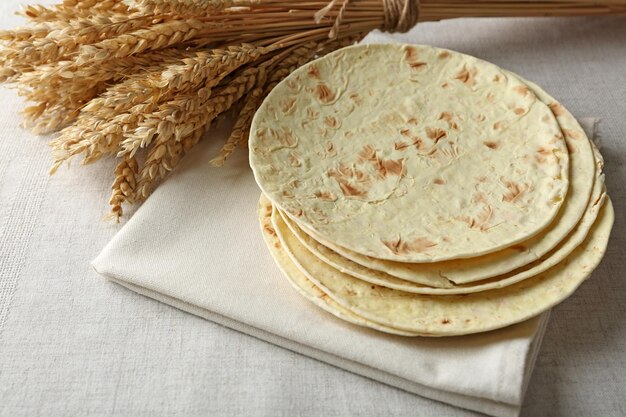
(410,153)
(450,315)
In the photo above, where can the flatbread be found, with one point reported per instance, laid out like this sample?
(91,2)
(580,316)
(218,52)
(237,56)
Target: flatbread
(307,250)
(410,153)
(585,171)
(451,315)
(303,285)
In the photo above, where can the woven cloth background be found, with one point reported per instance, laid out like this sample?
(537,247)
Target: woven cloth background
(74,344)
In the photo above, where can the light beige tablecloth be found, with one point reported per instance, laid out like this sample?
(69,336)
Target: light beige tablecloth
(74,344)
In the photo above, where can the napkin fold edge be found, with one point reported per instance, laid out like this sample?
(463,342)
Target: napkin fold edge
(482,405)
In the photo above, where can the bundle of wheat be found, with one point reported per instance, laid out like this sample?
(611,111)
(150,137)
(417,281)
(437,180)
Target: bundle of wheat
(142,81)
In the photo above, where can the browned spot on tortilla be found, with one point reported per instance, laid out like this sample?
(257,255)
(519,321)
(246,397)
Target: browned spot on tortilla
(294,183)
(490,97)
(514,191)
(439,181)
(412,121)
(417,65)
(344,175)
(332,122)
(287,193)
(345,170)
(482,178)
(356,98)
(313,71)
(436,134)
(519,111)
(543,154)
(466,75)
(497,78)
(571,148)
(522,90)
(312,114)
(520,248)
(320,214)
(330,149)
(351,190)
(479,198)
(325,195)
(416,140)
(400,247)
(445,85)
(361,176)
(479,222)
(324,94)
(491,144)
(288,106)
(545,118)
(481,117)
(384,167)
(443,54)
(571,134)
(401,146)
(391,167)
(322,131)
(557,109)
(277,244)
(269,230)
(292,85)
(288,137)
(294,159)
(447,116)
(498,125)
(445,321)
(296,212)
(368,153)
(347,135)
(444,153)
(410,53)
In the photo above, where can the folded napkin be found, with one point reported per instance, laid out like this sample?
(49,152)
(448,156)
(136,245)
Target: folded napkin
(196,244)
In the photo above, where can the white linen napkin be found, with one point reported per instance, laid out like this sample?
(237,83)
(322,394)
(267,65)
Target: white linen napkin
(196,244)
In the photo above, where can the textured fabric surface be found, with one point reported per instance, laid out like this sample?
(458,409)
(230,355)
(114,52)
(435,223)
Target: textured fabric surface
(75,344)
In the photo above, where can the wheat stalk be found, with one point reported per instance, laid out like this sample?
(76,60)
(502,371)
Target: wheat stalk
(69,10)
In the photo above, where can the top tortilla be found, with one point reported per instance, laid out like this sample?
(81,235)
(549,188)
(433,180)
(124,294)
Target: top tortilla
(410,153)
(586,182)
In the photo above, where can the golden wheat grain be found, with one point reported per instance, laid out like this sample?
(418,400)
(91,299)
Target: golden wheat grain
(161,160)
(124,186)
(72,10)
(188,7)
(63,40)
(158,36)
(209,65)
(40,30)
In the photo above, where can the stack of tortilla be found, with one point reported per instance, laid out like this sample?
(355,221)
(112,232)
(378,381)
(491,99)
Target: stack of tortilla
(423,192)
